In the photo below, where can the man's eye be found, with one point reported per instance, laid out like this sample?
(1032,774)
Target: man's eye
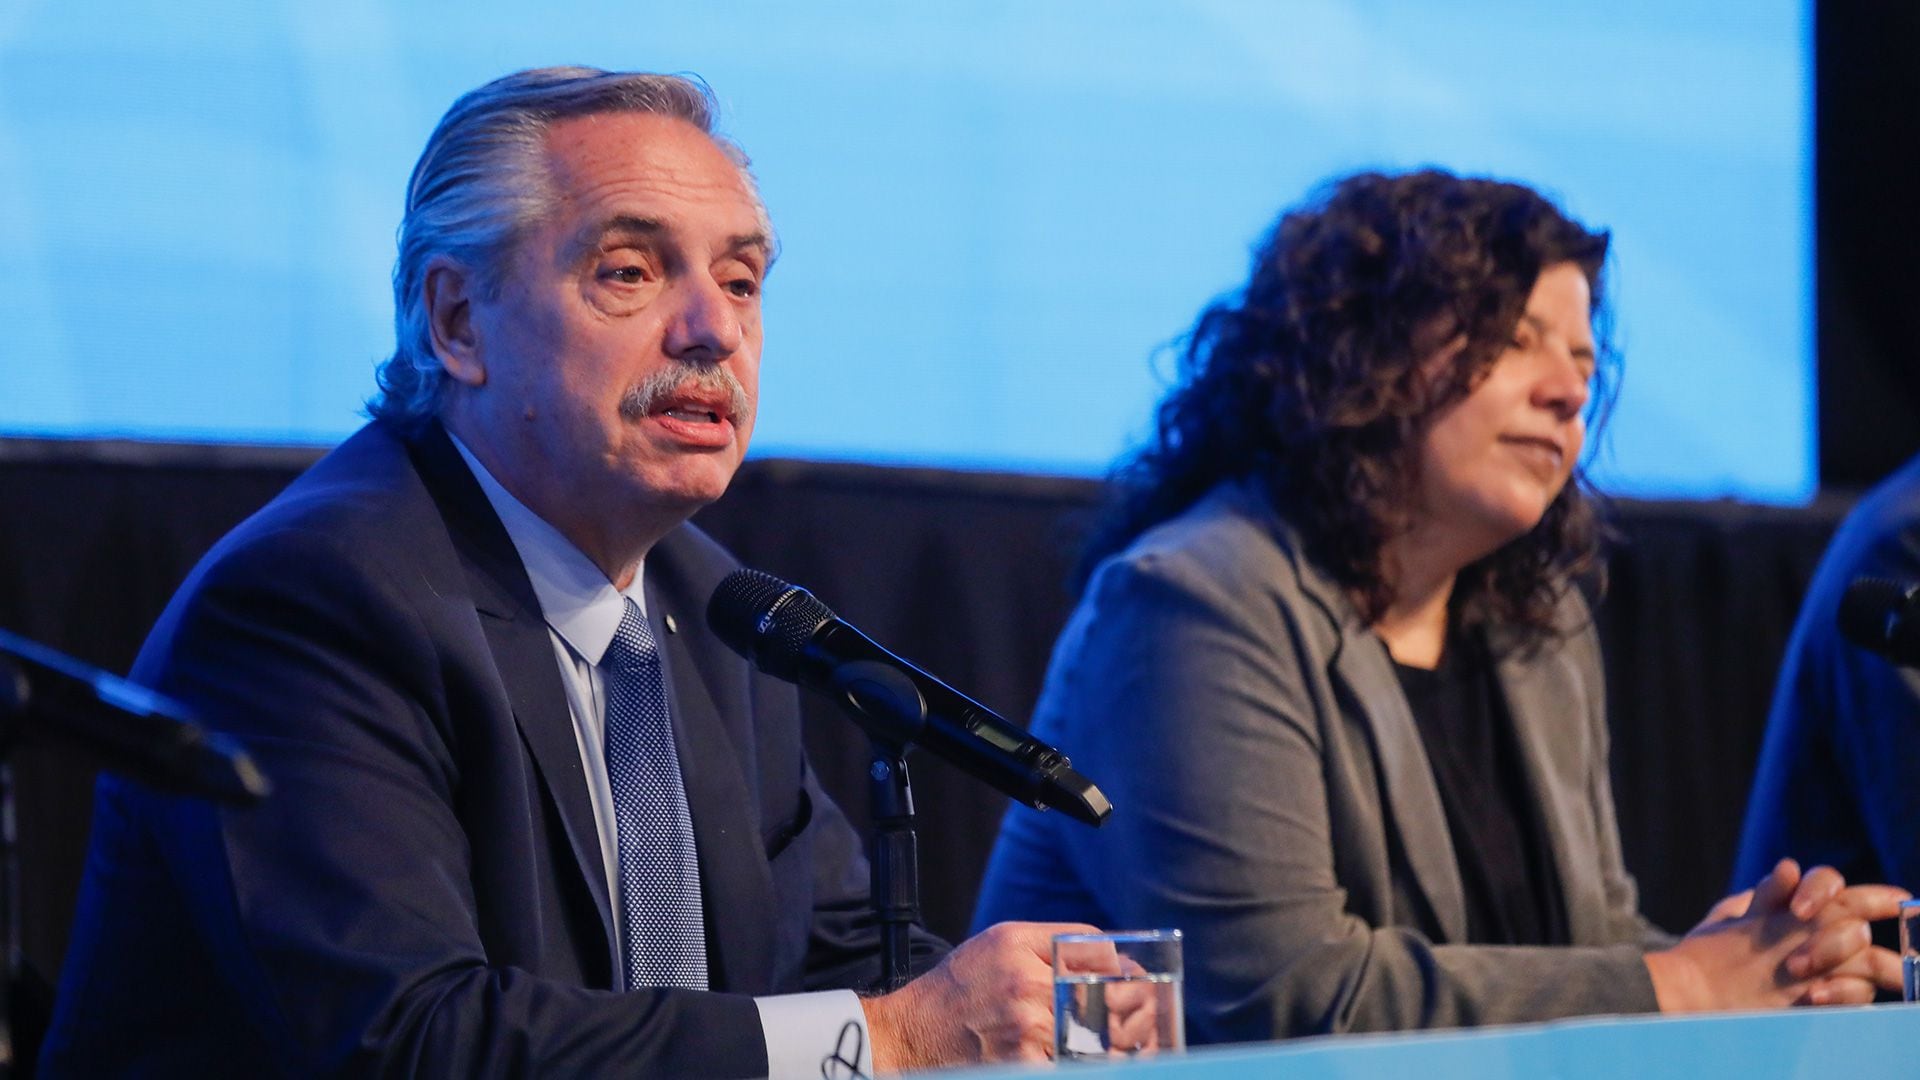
(745,288)
(626,275)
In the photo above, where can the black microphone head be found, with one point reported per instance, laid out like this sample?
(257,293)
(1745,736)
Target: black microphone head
(1076,796)
(1873,614)
(766,620)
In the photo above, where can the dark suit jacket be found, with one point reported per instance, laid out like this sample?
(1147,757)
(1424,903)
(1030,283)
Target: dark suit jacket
(1280,808)
(424,890)
(1837,779)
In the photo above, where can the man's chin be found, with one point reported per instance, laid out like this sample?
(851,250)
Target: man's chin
(689,483)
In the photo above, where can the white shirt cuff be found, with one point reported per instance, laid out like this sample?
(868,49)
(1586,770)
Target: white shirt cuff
(806,1032)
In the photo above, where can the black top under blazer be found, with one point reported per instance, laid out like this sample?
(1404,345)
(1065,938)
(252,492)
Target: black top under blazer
(1273,800)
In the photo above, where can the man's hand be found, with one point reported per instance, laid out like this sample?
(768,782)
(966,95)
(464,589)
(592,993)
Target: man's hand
(1792,940)
(991,999)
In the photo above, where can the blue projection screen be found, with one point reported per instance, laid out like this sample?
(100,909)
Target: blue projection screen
(995,215)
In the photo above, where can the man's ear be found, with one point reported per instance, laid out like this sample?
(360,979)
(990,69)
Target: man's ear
(449,290)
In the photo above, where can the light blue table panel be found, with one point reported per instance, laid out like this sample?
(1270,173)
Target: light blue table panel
(1881,1041)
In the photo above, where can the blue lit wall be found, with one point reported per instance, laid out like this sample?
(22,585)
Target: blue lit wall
(994,213)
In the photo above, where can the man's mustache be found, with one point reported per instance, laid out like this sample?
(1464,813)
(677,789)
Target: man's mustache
(679,378)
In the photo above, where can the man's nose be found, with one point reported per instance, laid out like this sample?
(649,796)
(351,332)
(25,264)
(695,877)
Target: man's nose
(705,326)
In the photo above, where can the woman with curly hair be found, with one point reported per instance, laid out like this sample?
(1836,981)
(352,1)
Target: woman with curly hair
(1330,664)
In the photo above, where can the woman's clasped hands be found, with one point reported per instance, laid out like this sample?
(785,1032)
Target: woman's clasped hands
(1793,939)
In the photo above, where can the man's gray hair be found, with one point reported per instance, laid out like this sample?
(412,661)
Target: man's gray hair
(482,182)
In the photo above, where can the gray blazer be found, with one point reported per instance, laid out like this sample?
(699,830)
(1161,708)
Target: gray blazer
(1273,800)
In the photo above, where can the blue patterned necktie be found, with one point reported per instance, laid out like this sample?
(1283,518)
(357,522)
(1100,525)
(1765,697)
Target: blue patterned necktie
(665,937)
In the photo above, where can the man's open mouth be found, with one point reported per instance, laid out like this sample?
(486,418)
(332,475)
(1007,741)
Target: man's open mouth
(692,415)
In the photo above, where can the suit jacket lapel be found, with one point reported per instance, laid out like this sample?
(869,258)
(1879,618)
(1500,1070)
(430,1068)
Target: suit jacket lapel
(1365,670)
(709,730)
(1538,693)
(1362,670)
(522,651)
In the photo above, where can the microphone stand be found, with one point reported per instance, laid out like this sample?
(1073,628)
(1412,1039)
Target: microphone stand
(133,732)
(876,689)
(896,860)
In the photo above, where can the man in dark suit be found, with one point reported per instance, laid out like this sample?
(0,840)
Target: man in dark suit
(530,816)
(1836,777)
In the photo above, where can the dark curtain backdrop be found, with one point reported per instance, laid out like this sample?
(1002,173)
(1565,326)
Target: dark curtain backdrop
(961,572)
(1866,219)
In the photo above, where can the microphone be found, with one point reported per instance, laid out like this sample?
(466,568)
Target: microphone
(141,734)
(789,634)
(1879,614)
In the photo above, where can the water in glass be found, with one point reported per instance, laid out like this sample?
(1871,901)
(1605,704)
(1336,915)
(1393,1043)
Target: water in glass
(1117,1016)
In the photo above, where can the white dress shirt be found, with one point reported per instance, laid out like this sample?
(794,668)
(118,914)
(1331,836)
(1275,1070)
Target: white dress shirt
(582,610)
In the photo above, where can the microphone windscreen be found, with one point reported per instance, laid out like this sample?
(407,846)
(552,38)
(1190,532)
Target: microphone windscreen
(765,619)
(1870,609)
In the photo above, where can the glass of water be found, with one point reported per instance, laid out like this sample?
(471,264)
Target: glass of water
(1117,995)
(1909,950)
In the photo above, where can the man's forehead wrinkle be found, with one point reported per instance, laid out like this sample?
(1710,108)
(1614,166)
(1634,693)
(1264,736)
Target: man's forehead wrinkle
(655,194)
(675,151)
(622,223)
(651,174)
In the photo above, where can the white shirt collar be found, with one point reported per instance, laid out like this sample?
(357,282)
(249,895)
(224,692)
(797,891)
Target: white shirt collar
(576,599)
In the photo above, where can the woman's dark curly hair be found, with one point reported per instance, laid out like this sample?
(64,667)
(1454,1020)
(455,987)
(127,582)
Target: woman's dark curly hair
(1316,379)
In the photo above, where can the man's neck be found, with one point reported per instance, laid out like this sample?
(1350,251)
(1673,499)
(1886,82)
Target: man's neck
(616,548)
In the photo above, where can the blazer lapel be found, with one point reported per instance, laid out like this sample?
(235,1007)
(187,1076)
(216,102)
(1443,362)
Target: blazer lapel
(736,885)
(1364,670)
(1538,693)
(522,651)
